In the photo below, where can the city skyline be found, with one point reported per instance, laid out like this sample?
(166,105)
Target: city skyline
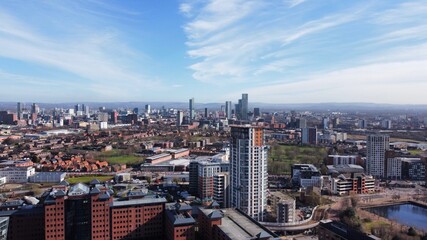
(295,51)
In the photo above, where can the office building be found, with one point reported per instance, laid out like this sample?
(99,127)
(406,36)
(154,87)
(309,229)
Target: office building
(191,109)
(305,175)
(356,183)
(89,212)
(248,170)
(17,174)
(228,109)
(376,147)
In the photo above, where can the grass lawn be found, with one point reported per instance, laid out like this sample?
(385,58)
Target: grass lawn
(116,157)
(87,179)
(281,157)
(367,226)
(416,151)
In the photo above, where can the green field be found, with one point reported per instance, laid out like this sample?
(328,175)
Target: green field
(416,152)
(281,157)
(117,157)
(87,179)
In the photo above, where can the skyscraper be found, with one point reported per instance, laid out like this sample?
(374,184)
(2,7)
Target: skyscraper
(147,109)
(248,170)
(228,109)
(191,107)
(179,118)
(244,107)
(376,147)
(19,110)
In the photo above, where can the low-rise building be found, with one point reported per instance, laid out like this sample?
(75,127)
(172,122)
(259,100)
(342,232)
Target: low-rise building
(355,184)
(17,174)
(47,177)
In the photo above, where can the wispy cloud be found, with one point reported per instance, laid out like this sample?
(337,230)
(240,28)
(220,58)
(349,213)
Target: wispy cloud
(294,3)
(311,52)
(96,56)
(230,41)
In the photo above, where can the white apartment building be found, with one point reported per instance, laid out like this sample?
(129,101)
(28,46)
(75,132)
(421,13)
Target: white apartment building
(221,189)
(376,147)
(394,168)
(17,174)
(248,170)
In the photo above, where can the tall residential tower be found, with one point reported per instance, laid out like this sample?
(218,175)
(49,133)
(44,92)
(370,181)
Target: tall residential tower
(191,108)
(248,170)
(376,147)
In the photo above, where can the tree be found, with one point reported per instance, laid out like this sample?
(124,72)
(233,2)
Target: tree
(354,200)
(412,232)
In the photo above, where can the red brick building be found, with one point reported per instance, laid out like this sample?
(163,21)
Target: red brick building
(180,225)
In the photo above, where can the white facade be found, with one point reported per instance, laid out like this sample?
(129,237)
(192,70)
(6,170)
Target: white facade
(221,189)
(103,125)
(375,154)
(17,174)
(248,170)
(394,168)
(343,159)
(286,211)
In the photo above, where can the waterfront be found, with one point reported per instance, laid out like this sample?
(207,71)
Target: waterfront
(406,214)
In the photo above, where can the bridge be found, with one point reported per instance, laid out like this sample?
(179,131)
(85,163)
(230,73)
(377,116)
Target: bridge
(312,222)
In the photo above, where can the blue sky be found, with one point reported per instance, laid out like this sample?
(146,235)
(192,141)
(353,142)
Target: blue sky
(278,51)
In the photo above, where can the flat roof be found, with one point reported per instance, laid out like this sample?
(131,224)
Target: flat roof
(154,157)
(238,226)
(145,200)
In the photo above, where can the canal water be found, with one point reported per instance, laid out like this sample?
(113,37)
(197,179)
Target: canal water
(407,214)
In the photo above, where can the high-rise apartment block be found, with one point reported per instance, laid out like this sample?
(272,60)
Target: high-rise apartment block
(309,136)
(248,170)
(376,147)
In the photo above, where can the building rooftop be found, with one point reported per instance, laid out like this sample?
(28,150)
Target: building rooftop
(238,226)
(138,201)
(345,168)
(178,214)
(344,231)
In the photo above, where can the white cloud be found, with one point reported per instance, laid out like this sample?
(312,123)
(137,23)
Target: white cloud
(185,8)
(98,57)
(294,3)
